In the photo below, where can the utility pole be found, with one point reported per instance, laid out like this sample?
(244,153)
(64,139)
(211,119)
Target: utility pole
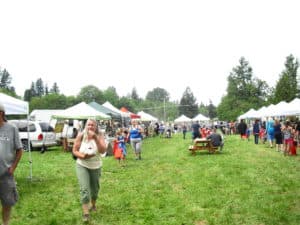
(164,110)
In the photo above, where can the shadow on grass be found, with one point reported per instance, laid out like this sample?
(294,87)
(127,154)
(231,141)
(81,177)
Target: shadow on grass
(207,153)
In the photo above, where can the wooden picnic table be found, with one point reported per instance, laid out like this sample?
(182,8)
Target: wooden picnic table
(202,144)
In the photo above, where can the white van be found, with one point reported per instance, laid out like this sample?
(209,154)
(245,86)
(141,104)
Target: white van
(41,134)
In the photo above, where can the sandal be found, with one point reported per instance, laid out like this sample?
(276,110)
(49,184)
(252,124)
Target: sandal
(86,218)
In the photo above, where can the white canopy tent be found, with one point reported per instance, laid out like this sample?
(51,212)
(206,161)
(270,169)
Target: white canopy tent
(269,110)
(146,116)
(182,119)
(261,112)
(14,106)
(278,109)
(200,117)
(281,109)
(293,109)
(113,108)
(125,117)
(81,111)
(252,113)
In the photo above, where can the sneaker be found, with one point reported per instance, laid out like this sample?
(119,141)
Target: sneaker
(86,218)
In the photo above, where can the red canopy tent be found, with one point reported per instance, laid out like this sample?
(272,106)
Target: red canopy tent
(132,115)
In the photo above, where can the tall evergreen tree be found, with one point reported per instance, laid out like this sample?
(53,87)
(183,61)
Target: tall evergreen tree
(32,90)
(188,104)
(46,89)
(54,89)
(27,95)
(212,110)
(134,95)
(5,79)
(243,92)
(286,88)
(39,87)
(5,83)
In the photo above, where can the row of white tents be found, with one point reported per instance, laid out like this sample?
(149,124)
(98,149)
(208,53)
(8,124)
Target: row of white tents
(185,119)
(281,109)
(83,110)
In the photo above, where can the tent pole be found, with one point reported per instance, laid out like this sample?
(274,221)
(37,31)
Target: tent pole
(29,150)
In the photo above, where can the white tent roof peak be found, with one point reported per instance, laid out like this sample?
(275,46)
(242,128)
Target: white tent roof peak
(14,106)
(182,118)
(250,114)
(294,108)
(146,116)
(108,105)
(82,111)
(200,117)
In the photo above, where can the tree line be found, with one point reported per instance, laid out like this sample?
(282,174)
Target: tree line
(244,91)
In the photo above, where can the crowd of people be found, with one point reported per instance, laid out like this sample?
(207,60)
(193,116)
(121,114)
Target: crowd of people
(283,135)
(90,146)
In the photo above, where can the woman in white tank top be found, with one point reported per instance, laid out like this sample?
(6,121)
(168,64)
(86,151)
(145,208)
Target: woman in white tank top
(87,148)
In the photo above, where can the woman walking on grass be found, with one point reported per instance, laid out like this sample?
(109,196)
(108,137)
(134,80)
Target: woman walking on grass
(87,148)
(278,135)
(135,136)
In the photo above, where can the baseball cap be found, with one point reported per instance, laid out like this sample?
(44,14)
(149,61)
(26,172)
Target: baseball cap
(2,107)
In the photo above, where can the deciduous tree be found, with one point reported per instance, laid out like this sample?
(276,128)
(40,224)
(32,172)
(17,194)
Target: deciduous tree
(90,93)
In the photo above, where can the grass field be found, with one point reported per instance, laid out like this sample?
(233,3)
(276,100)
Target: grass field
(246,184)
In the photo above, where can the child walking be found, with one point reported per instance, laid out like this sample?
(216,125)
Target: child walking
(120,148)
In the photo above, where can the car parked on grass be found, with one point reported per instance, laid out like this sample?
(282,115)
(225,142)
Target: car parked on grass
(41,134)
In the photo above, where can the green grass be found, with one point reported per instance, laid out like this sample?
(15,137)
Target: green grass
(246,184)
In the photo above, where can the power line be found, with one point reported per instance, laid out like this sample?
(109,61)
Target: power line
(159,107)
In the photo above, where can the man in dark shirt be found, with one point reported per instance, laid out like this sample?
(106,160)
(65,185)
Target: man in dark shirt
(196,130)
(242,128)
(216,139)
